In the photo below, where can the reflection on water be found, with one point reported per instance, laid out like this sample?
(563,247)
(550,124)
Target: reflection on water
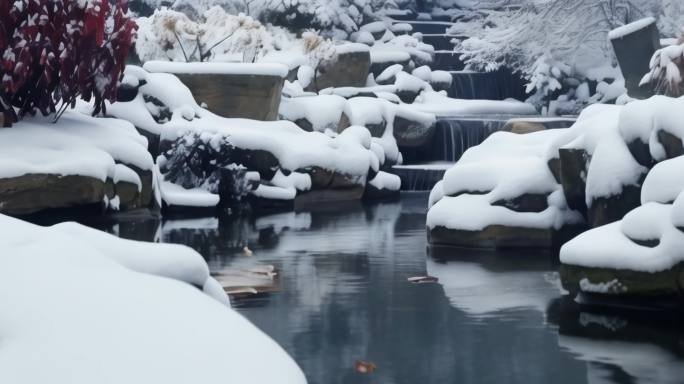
(492,318)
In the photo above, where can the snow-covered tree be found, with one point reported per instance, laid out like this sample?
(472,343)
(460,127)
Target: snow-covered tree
(172,35)
(570,34)
(333,18)
(55,51)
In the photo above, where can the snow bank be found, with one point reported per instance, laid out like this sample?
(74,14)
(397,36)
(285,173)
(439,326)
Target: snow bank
(76,145)
(610,247)
(175,195)
(119,324)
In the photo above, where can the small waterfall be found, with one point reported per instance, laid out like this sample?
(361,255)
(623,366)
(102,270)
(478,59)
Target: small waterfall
(496,85)
(455,136)
(419,177)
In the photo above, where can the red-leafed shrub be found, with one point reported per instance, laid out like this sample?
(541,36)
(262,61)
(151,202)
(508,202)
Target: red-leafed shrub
(55,51)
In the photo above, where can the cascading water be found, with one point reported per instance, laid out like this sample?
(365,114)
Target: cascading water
(496,85)
(453,137)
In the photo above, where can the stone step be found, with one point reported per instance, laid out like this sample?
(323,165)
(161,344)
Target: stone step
(447,60)
(429,27)
(496,85)
(441,41)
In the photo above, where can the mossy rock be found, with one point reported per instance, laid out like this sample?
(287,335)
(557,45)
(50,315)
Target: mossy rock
(504,237)
(492,237)
(32,193)
(623,283)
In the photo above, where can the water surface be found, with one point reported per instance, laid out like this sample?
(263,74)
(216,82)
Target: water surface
(492,318)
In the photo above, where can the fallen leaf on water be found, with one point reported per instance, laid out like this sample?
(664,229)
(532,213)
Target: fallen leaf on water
(423,279)
(364,367)
(241,290)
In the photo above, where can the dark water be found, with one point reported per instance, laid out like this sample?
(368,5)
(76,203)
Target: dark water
(493,318)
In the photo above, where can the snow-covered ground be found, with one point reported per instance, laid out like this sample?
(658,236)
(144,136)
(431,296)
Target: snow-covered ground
(84,307)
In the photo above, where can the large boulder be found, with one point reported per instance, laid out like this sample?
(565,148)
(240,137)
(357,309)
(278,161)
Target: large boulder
(33,193)
(348,68)
(237,90)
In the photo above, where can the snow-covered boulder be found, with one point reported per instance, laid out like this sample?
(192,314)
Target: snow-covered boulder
(79,161)
(166,109)
(501,194)
(238,90)
(123,311)
(640,256)
(314,113)
(383,186)
(349,67)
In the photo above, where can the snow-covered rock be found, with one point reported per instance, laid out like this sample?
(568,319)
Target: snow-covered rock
(501,194)
(237,90)
(166,109)
(80,160)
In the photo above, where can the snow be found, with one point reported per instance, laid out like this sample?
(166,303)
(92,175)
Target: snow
(273,192)
(424,73)
(389,73)
(441,105)
(105,315)
(506,165)
(388,181)
(442,77)
(621,32)
(175,195)
(322,111)
(261,69)
(610,247)
(76,145)
(346,48)
(406,82)
(475,213)
(124,174)
(642,119)
(664,182)
(374,27)
(389,56)
(284,187)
